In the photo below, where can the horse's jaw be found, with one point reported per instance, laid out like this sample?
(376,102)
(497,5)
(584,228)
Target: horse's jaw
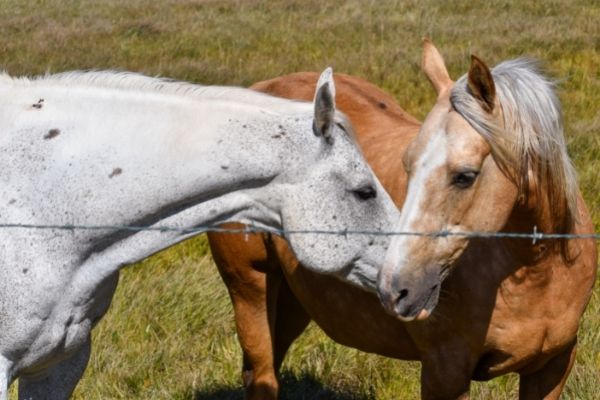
(362,274)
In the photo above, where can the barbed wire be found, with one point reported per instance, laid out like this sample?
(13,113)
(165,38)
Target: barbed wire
(535,235)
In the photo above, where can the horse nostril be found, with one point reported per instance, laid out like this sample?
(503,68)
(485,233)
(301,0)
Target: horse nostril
(402,294)
(400,305)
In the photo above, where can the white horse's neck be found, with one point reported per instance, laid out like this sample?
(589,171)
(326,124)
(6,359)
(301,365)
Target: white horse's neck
(107,156)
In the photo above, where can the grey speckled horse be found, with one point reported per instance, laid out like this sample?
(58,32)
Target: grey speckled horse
(109,148)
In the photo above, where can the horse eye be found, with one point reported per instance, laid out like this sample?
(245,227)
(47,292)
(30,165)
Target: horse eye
(465,179)
(365,193)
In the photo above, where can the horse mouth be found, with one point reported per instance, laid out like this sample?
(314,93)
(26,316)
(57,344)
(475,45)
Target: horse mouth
(444,272)
(430,302)
(432,299)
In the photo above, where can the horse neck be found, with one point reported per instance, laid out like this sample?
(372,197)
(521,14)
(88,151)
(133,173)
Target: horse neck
(535,214)
(525,220)
(142,159)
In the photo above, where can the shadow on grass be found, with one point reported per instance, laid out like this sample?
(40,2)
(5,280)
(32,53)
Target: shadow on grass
(304,387)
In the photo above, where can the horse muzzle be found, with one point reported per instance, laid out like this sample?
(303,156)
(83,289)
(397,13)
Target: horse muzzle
(409,296)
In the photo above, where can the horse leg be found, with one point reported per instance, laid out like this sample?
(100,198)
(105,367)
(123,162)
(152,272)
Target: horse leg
(3,386)
(252,279)
(548,382)
(4,377)
(446,374)
(58,381)
(291,320)
(261,366)
(257,337)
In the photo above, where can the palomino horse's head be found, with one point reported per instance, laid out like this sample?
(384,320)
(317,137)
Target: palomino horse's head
(492,143)
(337,192)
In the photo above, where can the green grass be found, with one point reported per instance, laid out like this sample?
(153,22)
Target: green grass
(169,333)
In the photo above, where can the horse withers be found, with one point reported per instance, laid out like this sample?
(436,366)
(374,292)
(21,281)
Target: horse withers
(117,150)
(462,339)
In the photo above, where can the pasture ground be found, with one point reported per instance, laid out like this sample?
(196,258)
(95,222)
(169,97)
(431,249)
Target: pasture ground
(169,333)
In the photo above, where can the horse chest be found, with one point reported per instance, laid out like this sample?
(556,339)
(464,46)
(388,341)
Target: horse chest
(67,326)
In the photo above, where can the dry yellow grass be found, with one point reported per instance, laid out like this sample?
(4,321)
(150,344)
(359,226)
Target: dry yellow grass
(169,334)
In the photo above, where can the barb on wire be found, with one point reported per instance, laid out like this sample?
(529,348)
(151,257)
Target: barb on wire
(249,229)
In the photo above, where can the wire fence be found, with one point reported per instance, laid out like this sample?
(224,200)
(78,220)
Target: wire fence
(535,235)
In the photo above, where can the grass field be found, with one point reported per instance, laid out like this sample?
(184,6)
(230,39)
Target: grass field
(169,333)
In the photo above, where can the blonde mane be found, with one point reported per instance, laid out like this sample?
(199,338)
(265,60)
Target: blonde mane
(529,138)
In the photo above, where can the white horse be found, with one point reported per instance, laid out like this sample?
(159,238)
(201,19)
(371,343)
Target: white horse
(105,148)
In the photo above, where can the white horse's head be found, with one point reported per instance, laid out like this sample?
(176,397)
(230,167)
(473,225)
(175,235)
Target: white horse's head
(337,192)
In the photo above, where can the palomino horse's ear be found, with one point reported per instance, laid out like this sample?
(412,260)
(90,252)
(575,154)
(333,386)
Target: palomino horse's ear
(481,84)
(325,105)
(434,67)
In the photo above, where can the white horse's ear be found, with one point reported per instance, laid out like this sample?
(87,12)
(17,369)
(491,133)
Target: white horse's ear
(481,84)
(324,105)
(435,69)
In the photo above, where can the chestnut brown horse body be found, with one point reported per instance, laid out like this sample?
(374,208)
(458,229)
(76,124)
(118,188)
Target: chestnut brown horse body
(508,306)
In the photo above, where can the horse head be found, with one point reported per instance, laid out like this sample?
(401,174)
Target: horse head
(491,145)
(337,192)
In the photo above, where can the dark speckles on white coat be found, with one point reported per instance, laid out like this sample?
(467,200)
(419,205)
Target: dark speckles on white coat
(52,133)
(115,172)
(38,105)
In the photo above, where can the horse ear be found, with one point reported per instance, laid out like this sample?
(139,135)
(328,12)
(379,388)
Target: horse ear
(481,84)
(434,67)
(324,105)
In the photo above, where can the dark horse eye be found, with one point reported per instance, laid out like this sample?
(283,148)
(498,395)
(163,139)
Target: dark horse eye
(465,179)
(365,193)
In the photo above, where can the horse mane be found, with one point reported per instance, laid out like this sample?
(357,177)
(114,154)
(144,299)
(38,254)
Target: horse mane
(529,138)
(139,82)
(134,81)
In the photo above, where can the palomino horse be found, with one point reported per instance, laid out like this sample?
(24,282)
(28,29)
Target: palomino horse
(495,314)
(113,149)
